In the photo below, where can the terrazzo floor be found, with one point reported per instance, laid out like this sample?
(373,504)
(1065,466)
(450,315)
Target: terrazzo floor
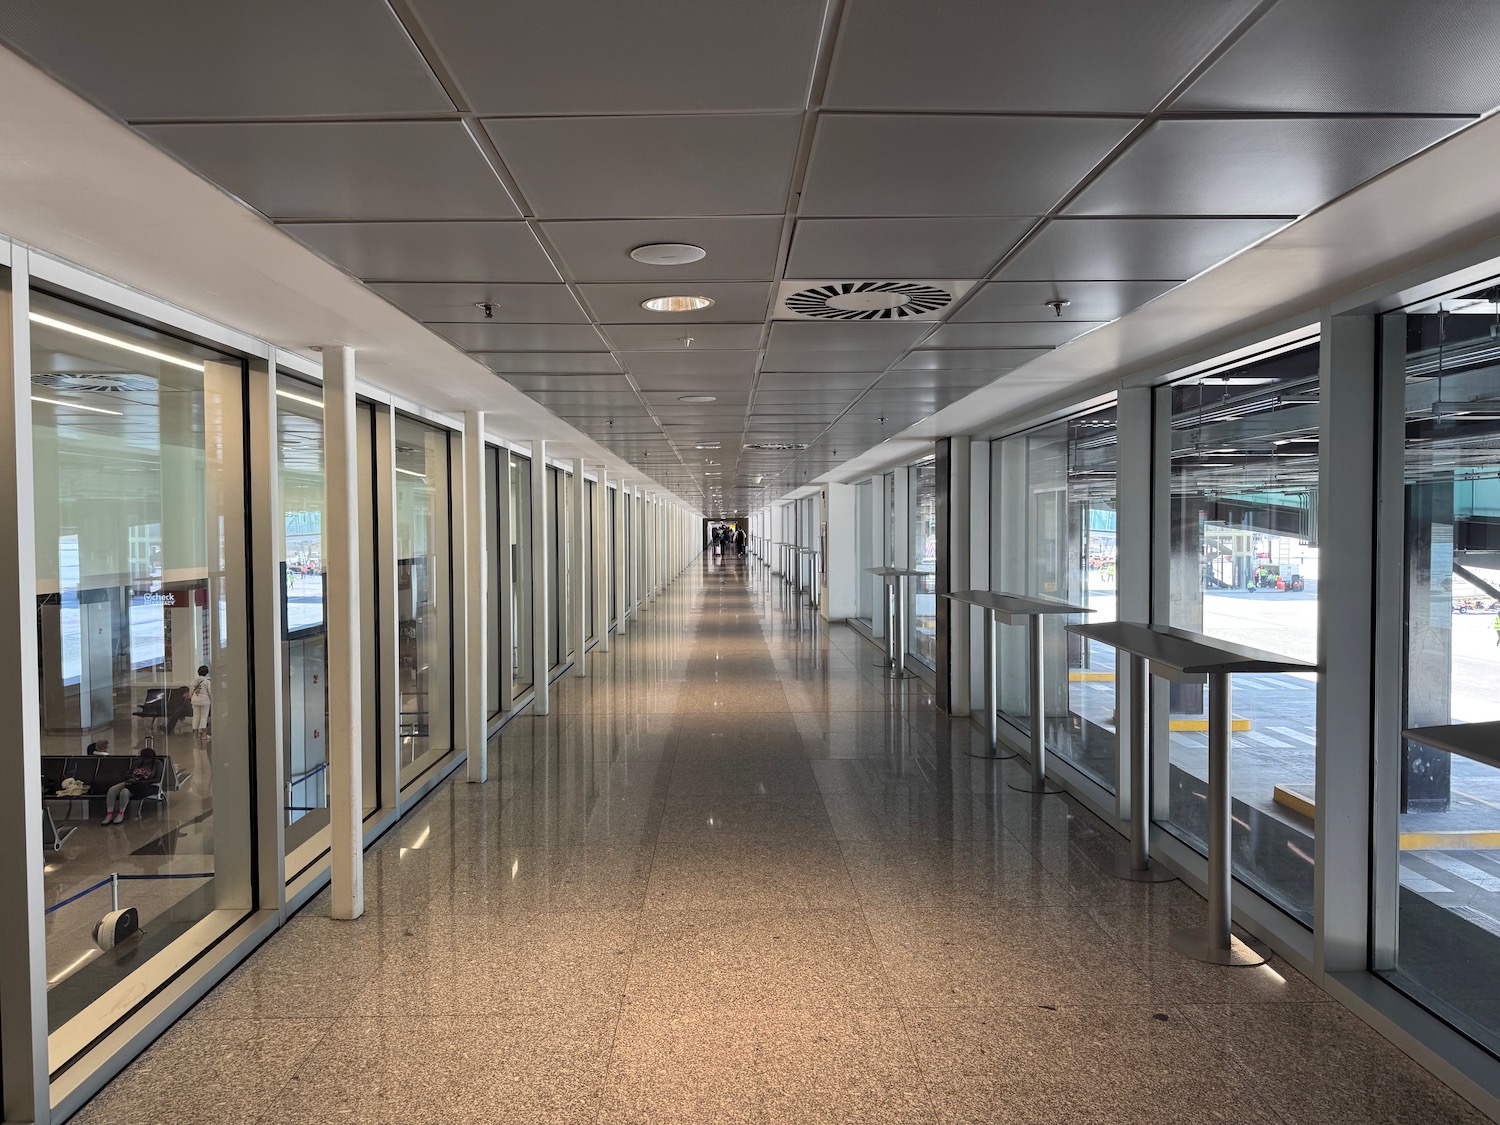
(738,876)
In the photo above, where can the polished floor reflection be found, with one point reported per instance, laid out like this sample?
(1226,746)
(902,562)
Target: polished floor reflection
(738,876)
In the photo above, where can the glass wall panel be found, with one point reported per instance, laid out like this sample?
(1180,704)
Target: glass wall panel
(498,610)
(1053,534)
(424,576)
(922,526)
(1244,568)
(591,535)
(552,526)
(611,563)
(866,519)
(376,785)
(304,642)
(144,677)
(1448,877)
(521,635)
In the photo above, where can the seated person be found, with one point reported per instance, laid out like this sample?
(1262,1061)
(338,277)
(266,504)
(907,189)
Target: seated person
(140,784)
(100,747)
(179,707)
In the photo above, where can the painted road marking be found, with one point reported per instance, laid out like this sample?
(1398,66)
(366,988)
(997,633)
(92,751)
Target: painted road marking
(1465,871)
(1421,884)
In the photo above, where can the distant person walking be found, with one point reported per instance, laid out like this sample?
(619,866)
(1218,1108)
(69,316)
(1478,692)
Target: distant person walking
(739,540)
(1497,630)
(200,691)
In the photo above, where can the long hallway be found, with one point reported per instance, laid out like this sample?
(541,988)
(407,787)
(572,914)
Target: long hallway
(738,876)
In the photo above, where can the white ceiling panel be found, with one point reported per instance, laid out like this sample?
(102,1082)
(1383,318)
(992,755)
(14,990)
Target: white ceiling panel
(784,359)
(784,400)
(430,251)
(996,360)
(741,301)
(1133,249)
(928,379)
(813,381)
(854,336)
(437,301)
(633,167)
(1087,300)
(702,337)
(738,249)
(703,382)
(576,384)
(601,56)
(575,363)
(971,165)
(902,248)
(497,336)
(155,59)
(1365,56)
(686,361)
(1018,55)
(344,169)
(1008,334)
(1245,166)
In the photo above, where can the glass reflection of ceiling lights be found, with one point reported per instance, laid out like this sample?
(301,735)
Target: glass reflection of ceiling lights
(1250,426)
(1453,383)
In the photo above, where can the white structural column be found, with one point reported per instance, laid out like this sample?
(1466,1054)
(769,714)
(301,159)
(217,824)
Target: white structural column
(647,539)
(476,599)
(23,948)
(503,597)
(842,563)
(341,557)
(602,548)
(578,617)
(541,623)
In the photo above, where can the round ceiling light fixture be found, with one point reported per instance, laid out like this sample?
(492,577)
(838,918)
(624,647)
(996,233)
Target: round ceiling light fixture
(680,304)
(668,254)
(697,398)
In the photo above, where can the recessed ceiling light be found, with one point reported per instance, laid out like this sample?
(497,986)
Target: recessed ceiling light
(697,398)
(668,254)
(676,304)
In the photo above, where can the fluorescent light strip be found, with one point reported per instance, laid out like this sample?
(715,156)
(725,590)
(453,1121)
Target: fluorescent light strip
(76,406)
(412,473)
(100,337)
(299,398)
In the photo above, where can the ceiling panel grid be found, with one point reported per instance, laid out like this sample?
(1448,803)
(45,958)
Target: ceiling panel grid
(489,170)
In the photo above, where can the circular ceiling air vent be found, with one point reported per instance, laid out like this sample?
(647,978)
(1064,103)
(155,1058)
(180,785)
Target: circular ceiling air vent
(100,383)
(869,300)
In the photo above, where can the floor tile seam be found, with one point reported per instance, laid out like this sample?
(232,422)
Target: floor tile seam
(292,1071)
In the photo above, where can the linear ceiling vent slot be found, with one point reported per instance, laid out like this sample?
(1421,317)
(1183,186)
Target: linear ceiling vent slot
(778,446)
(868,300)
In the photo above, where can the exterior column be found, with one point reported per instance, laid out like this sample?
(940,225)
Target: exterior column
(476,601)
(1134,589)
(578,620)
(1348,516)
(603,546)
(23,940)
(540,616)
(959,547)
(345,710)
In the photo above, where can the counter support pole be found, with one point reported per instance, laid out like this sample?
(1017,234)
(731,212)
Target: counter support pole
(1138,866)
(1215,943)
(1037,782)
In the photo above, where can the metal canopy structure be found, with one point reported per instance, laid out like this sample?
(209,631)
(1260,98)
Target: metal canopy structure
(899,203)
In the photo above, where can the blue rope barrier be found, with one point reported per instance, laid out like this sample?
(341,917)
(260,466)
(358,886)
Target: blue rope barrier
(106,882)
(79,895)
